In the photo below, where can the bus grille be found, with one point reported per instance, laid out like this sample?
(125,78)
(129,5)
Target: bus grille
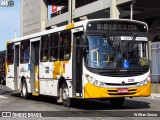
(119,84)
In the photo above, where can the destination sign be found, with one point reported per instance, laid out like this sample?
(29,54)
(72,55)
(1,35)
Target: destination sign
(116,26)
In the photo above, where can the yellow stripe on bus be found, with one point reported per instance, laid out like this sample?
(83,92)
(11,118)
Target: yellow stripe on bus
(59,68)
(36,84)
(6,69)
(36,79)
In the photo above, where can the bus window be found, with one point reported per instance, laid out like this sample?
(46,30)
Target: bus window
(65,45)
(53,47)
(24,51)
(44,48)
(10,54)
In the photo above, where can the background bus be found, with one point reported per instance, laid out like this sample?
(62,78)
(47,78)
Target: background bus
(101,58)
(2,66)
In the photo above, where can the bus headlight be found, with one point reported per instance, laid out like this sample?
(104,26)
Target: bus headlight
(102,84)
(141,83)
(94,81)
(144,82)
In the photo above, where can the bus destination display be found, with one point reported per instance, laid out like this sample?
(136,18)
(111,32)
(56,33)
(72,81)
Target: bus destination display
(116,26)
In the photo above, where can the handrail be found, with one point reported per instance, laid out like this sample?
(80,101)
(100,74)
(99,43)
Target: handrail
(92,56)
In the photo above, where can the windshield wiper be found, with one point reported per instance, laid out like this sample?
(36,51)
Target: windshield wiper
(132,41)
(115,47)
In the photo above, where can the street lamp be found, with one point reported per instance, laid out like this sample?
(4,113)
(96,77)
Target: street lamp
(15,35)
(133,2)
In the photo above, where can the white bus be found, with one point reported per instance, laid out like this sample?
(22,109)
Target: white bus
(91,59)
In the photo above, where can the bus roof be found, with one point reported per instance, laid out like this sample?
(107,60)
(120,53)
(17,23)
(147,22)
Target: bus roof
(77,24)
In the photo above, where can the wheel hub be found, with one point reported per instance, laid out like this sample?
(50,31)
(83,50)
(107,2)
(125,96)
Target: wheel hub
(65,93)
(24,90)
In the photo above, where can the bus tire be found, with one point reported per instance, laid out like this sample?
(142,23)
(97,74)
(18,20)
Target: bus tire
(3,82)
(24,91)
(65,95)
(117,101)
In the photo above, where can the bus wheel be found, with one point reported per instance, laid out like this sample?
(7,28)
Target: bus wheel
(65,95)
(117,101)
(24,91)
(3,82)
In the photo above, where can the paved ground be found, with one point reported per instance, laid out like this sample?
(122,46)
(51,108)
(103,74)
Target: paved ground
(93,109)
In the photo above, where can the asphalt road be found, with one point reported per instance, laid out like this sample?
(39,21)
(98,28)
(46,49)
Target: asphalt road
(46,106)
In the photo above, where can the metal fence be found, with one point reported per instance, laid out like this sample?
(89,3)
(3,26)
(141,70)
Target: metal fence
(155,62)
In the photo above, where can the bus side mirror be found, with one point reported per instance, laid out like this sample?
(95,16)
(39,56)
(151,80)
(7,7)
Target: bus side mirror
(85,45)
(85,50)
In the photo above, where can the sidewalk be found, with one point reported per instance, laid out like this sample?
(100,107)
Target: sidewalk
(155,96)
(155,88)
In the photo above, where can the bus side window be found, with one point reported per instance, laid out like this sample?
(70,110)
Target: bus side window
(24,51)
(53,50)
(44,48)
(65,45)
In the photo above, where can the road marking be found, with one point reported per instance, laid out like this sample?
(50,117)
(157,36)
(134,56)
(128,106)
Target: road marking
(3,97)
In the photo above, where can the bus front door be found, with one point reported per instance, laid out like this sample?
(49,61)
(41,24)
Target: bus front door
(77,64)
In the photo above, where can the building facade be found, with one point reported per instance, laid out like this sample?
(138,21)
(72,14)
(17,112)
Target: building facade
(34,13)
(34,17)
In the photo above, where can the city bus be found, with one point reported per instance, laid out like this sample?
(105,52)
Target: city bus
(2,66)
(105,59)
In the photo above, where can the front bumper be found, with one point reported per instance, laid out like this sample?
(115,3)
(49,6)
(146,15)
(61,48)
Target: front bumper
(91,91)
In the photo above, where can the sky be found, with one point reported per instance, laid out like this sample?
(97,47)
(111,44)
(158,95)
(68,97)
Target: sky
(9,22)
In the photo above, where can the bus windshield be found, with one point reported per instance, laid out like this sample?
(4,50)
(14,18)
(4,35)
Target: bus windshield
(116,52)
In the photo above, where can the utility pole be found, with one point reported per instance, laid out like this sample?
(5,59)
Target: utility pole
(71,8)
(131,16)
(114,12)
(15,35)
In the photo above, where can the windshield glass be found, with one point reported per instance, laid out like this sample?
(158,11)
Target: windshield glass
(116,52)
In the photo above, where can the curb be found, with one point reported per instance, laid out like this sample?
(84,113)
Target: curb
(155,95)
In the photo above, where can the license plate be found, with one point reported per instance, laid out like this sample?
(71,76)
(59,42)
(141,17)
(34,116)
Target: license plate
(123,90)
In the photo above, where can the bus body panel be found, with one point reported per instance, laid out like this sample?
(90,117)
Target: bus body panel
(10,81)
(48,87)
(24,72)
(46,70)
